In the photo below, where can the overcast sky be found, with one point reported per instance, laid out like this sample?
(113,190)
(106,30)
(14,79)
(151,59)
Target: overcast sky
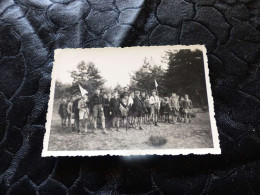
(115,64)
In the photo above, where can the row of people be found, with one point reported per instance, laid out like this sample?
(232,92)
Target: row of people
(130,109)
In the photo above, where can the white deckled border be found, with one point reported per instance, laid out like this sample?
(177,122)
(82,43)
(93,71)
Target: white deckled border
(215,150)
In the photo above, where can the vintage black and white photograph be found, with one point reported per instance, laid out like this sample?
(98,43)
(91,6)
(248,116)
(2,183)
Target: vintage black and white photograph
(131,101)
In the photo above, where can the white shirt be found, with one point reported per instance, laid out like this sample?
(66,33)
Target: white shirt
(130,101)
(154,100)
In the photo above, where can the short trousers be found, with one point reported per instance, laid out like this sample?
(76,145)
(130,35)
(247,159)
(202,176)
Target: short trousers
(187,111)
(137,114)
(154,110)
(98,111)
(83,114)
(123,112)
(175,112)
(148,110)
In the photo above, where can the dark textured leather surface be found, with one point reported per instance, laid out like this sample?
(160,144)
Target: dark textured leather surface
(29,32)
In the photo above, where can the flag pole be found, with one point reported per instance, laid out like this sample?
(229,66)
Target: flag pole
(126,125)
(156,85)
(82,91)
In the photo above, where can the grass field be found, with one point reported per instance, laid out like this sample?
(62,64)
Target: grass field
(194,135)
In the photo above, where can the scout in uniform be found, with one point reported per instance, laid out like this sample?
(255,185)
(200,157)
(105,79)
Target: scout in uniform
(155,107)
(148,109)
(123,109)
(130,108)
(107,98)
(161,111)
(167,110)
(75,111)
(69,108)
(97,102)
(187,109)
(181,111)
(63,112)
(138,110)
(115,110)
(83,114)
(174,105)
(143,97)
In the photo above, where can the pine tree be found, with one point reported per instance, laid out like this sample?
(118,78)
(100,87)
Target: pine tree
(185,74)
(143,78)
(88,76)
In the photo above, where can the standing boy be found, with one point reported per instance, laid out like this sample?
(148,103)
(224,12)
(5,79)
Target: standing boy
(181,111)
(115,110)
(97,102)
(63,112)
(130,102)
(69,111)
(83,114)
(166,110)
(138,110)
(107,110)
(187,107)
(75,110)
(155,107)
(147,107)
(174,106)
(161,111)
(143,99)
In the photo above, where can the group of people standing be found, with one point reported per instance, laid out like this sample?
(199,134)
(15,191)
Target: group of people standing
(130,109)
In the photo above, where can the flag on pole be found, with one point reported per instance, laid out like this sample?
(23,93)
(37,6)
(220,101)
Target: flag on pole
(82,91)
(155,82)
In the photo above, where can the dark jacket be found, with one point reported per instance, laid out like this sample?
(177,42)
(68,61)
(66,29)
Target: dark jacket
(181,104)
(63,112)
(106,107)
(138,105)
(167,108)
(75,109)
(187,104)
(95,100)
(143,99)
(121,102)
(115,107)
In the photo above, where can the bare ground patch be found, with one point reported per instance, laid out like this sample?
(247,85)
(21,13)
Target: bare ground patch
(194,135)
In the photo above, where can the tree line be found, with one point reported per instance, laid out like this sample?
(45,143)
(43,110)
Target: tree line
(184,75)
